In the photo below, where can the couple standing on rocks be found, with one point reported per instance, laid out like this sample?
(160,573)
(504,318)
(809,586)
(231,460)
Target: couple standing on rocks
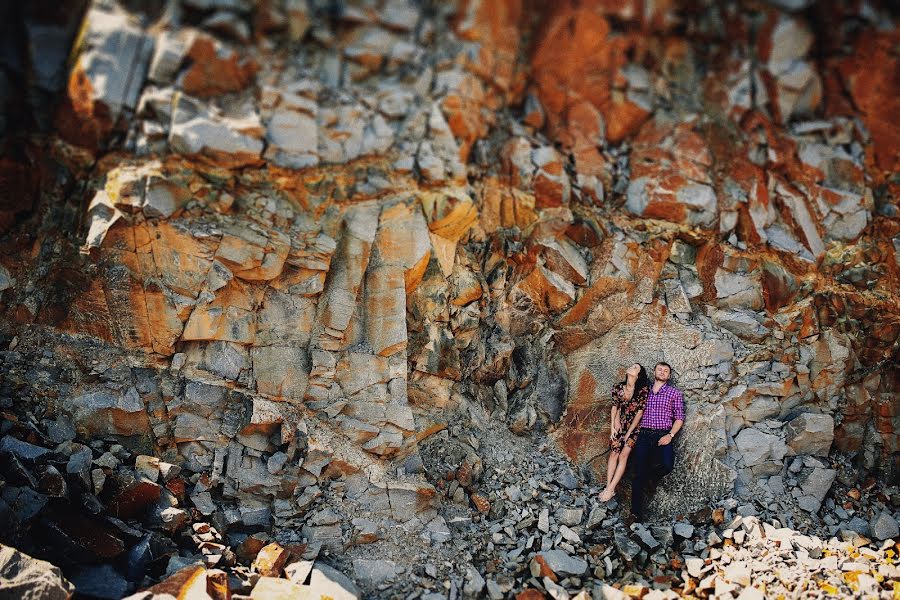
(645,419)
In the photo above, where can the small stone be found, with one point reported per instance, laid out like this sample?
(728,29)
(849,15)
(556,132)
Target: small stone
(148,466)
(627,547)
(298,572)
(513,493)
(543,523)
(98,479)
(738,573)
(327,581)
(481,503)
(204,503)
(562,563)
(374,572)
(173,519)
(569,516)
(684,530)
(647,539)
(569,535)
(276,463)
(884,526)
(567,479)
(271,560)
(474,582)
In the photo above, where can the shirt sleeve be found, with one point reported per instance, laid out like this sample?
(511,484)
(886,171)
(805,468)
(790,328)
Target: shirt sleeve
(615,395)
(678,406)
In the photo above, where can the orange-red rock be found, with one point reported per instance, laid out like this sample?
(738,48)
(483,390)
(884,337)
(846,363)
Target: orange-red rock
(216,69)
(575,63)
(869,74)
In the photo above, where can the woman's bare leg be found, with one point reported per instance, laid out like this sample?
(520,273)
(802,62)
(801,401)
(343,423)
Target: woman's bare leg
(620,469)
(611,464)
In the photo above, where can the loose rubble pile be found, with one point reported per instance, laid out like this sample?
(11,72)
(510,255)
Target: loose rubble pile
(300,291)
(513,522)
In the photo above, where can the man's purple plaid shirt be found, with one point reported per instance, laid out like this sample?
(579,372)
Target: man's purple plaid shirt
(663,408)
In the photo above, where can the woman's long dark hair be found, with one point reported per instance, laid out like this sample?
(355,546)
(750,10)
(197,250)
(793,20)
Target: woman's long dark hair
(642,381)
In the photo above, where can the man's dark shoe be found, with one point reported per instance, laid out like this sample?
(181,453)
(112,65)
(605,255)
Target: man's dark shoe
(631,519)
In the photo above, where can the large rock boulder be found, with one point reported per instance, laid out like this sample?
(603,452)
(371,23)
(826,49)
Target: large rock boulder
(756,447)
(26,578)
(810,433)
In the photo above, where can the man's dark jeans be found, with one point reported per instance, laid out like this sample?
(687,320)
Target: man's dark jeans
(651,463)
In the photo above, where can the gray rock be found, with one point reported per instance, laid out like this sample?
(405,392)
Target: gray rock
(177,563)
(682,529)
(6,280)
(276,462)
(22,576)
(746,324)
(884,526)
(596,517)
(776,485)
(439,530)
(204,503)
(513,493)
(298,572)
(663,534)
(627,547)
(171,47)
(60,430)
(327,581)
(859,525)
(21,450)
(543,523)
(161,198)
(474,582)
(809,504)
(682,253)
(810,433)
(100,582)
(79,460)
(493,590)
(567,479)
(25,502)
(646,537)
(818,482)
(701,200)
(231,141)
(737,290)
(561,563)
(569,516)
(115,59)
(757,447)
(374,572)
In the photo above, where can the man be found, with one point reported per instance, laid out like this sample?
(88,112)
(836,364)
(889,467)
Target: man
(653,455)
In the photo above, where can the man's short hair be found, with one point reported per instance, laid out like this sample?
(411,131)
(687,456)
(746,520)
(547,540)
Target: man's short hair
(664,364)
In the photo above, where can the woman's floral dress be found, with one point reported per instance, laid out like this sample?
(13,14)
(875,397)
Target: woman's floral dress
(627,411)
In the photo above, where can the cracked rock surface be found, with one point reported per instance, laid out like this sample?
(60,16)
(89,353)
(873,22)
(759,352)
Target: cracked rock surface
(304,298)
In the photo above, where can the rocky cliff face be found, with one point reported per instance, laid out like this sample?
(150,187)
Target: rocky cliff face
(316,254)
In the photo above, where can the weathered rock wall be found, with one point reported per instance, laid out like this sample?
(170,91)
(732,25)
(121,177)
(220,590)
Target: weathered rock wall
(282,244)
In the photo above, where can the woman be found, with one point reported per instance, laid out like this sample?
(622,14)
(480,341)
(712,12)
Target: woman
(628,400)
